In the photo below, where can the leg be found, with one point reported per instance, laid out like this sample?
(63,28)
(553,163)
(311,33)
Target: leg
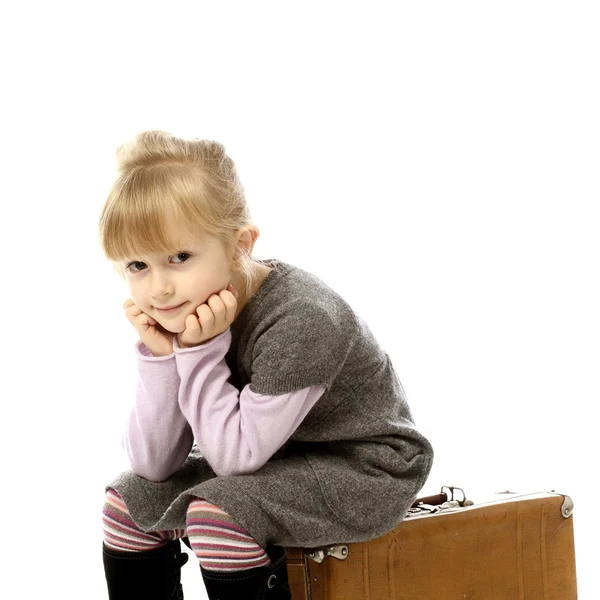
(219,542)
(138,564)
(233,565)
(121,533)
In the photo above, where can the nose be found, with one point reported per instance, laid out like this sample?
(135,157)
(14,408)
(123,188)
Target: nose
(160,285)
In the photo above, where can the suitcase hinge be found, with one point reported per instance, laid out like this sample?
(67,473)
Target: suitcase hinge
(339,551)
(566,510)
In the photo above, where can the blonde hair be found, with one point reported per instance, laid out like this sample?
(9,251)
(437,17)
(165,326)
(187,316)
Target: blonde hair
(161,175)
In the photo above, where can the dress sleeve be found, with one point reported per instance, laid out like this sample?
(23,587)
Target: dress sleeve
(157,437)
(305,343)
(237,432)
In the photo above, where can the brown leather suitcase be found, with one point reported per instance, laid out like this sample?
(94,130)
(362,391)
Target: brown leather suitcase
(515,547)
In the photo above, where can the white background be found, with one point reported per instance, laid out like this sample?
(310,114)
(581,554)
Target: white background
(434,162)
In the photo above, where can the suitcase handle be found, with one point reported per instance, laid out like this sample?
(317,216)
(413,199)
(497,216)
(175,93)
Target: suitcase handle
(440,498)
(434,500)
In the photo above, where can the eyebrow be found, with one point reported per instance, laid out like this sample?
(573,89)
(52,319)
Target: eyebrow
(176,248)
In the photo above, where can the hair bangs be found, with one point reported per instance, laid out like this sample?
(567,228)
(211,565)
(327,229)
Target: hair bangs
(139,205)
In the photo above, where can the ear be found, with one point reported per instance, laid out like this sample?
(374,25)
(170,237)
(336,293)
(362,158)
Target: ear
(245,240)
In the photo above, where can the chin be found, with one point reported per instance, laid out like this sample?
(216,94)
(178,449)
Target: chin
(173,327)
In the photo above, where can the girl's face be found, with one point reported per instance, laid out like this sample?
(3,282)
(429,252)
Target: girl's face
(186,279)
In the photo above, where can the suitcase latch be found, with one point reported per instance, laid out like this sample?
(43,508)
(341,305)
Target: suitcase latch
(339,551)
(433,509)
(464,501)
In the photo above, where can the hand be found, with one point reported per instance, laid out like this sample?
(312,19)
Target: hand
(157,339)
(214,317)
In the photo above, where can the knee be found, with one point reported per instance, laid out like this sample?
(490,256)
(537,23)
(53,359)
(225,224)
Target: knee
(203,517)
(219,542)
(200,511)
(114,500)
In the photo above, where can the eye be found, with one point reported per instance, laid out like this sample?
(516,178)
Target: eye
(185,256)
(132,264)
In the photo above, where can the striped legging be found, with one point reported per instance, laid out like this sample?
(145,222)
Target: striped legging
(219,543)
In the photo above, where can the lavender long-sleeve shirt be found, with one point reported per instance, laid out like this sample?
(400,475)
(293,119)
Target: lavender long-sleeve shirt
(186,397)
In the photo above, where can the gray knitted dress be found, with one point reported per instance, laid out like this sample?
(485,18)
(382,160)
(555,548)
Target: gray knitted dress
(355,464)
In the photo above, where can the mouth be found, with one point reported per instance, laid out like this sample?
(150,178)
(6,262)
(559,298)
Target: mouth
(170,310)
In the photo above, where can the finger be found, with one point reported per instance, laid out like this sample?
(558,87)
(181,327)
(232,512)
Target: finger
(143,319)
(191,332)
(216,304)
(232,290)
(229,293)
(230,302)
(132,312)
(206,317)
(220,310)
(129,302)
(192,325)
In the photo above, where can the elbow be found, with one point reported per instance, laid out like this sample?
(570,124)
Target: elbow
(150,466)
(156,464)
(231,472)
(153,473)
(233,469)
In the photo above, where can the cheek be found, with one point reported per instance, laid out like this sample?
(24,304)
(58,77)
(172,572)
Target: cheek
(141,301)
(201,291)
(138,298)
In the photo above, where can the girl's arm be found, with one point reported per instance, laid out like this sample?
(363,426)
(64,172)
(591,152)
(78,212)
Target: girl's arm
(157,436)
(236,432)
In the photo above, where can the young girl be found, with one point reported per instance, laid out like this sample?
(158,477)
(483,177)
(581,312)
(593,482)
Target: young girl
(266,414)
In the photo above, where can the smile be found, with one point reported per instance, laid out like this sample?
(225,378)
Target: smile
(168,311)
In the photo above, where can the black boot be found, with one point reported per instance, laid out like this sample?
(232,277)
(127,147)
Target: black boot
(260,583)
(149,575)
